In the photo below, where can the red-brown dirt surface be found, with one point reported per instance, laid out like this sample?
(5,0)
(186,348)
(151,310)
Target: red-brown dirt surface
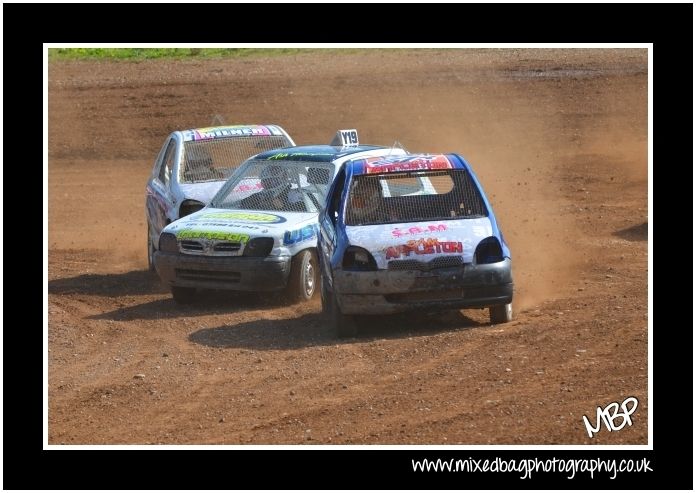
(558,139)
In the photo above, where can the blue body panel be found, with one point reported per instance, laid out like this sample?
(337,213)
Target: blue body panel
(491,216)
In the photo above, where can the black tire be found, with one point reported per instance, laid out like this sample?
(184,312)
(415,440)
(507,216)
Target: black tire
(325,300)
(303,277)
(150,251)
(183,295)
(501,314)
(342,326)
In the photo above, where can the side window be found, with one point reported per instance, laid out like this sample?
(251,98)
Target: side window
(168,161)
(332,210)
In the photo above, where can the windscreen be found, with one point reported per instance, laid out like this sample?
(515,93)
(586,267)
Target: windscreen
(412,197)
(291,186)
(216,159)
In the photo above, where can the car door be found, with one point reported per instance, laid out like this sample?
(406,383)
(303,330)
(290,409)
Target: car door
(328,223)
(159,197)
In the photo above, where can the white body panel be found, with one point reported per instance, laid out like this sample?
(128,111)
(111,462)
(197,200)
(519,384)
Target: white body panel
(291,231)
(421,241)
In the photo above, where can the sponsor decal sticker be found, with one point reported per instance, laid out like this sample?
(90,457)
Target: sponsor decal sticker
(235,131)
(425,246)
(246,217)
(417,230)
(297,155)
(300,235)
(190,234)
(222,224)
(401,163)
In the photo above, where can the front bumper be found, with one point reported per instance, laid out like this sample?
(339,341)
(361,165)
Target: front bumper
(236,273)
(385,291)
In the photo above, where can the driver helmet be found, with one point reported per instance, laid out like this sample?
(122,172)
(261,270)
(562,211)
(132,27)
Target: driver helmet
(274,178)
(366,196)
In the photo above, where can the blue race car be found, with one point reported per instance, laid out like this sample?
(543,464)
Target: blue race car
(410,232)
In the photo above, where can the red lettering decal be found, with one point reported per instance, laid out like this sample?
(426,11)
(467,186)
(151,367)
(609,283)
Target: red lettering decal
(393,252)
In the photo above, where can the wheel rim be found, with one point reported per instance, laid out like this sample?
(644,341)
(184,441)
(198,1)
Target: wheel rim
(508,311)
(309,279)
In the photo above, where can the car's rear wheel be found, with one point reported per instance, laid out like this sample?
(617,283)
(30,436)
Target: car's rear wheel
(501,314)
(150,251)
(183,295)
(342,325)
(303,276)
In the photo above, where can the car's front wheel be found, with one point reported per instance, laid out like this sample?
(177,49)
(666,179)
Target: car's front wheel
(183,295)
(303,276)
(501,314)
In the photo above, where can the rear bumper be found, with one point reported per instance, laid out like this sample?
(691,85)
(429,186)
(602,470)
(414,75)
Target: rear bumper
(383,292)
(235,273)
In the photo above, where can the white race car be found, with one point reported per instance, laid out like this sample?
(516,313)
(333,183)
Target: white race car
(194,164)
(259,232)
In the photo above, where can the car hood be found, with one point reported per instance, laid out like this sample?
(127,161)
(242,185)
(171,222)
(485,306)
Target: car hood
(211,222)
(420,241)
(203,192)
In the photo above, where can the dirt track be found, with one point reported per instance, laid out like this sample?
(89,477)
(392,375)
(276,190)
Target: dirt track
(559,140)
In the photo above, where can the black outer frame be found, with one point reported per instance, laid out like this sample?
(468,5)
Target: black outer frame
(668,26)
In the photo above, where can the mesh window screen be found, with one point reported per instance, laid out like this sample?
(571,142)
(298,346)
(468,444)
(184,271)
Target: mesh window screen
(411,197)
(216,159)
(289,186)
